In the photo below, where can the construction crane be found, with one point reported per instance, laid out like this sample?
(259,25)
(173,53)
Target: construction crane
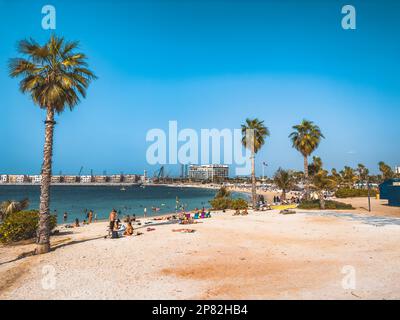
(80,171)
(159,174)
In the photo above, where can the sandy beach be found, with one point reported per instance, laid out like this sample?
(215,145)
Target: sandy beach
(264,255)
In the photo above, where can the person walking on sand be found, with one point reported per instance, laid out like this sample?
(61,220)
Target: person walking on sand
(144,213)
(90,217)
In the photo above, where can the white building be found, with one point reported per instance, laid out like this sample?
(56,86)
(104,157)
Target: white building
(20,178)
(86,179)
(3,178)
(130,178)
(55,179)
(397,169)
(70,179)
(116,178)
(36,179)
(209,172)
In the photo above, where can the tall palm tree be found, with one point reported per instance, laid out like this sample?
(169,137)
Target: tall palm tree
(305,139)
(362,172)
(254,133)
(55,76)
(284,180)
(348,176)
(387,172)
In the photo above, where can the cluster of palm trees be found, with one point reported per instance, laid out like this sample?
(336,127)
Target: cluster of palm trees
(305,138)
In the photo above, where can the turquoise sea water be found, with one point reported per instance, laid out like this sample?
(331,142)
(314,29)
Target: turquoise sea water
(102,199)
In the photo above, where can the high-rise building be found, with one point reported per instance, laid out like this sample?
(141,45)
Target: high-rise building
(211,172)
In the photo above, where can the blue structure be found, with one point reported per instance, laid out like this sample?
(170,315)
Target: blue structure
(390,190)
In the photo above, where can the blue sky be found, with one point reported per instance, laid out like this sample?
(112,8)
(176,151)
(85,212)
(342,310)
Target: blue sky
(210,64)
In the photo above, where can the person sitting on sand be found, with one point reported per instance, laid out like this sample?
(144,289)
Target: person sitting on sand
(244,212)
(129,229)
(237,212)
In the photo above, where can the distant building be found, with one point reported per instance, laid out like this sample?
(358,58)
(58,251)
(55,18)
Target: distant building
(70,179)
(209,172)
(86,179)
(17,178)
(130,178)
(55,179)
(397,169)
(100,179)
(36,179)
(116,178)
(3,178)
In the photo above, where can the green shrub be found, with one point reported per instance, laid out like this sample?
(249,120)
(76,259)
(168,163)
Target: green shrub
(221,203)
(239,204)
(22,225)
(329,204)
(351,193)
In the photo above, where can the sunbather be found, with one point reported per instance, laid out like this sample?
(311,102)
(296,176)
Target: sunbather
(129,229)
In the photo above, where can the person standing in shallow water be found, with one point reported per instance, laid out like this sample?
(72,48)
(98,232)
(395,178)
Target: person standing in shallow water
(90,216)
(65,217)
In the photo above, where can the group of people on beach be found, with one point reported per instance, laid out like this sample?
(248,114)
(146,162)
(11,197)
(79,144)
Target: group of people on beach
(117,229)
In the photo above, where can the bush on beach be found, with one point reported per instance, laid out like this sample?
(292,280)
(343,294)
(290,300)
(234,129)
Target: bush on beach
(329,204)
(223,201)
(352,193)
(22,225)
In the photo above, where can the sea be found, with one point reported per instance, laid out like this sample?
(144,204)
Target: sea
(77,200)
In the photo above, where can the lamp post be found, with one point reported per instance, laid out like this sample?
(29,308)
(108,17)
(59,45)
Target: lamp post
(369,195)
(264,164)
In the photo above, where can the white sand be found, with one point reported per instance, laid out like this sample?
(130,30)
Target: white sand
(261,256)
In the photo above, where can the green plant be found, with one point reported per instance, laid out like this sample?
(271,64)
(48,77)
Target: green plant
(223,192)
(22,225)
(9,206)
(329,204)
(221,203)
(239,204)
(351,193)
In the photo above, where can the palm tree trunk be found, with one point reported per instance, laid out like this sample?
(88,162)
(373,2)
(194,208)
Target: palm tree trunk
(43,232)
(306,182)
(253,182)
(322,200)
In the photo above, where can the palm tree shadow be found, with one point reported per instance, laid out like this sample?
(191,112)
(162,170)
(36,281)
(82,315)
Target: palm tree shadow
(21,256)
(62,245)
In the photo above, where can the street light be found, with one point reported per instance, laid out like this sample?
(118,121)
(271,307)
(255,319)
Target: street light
(264,164)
